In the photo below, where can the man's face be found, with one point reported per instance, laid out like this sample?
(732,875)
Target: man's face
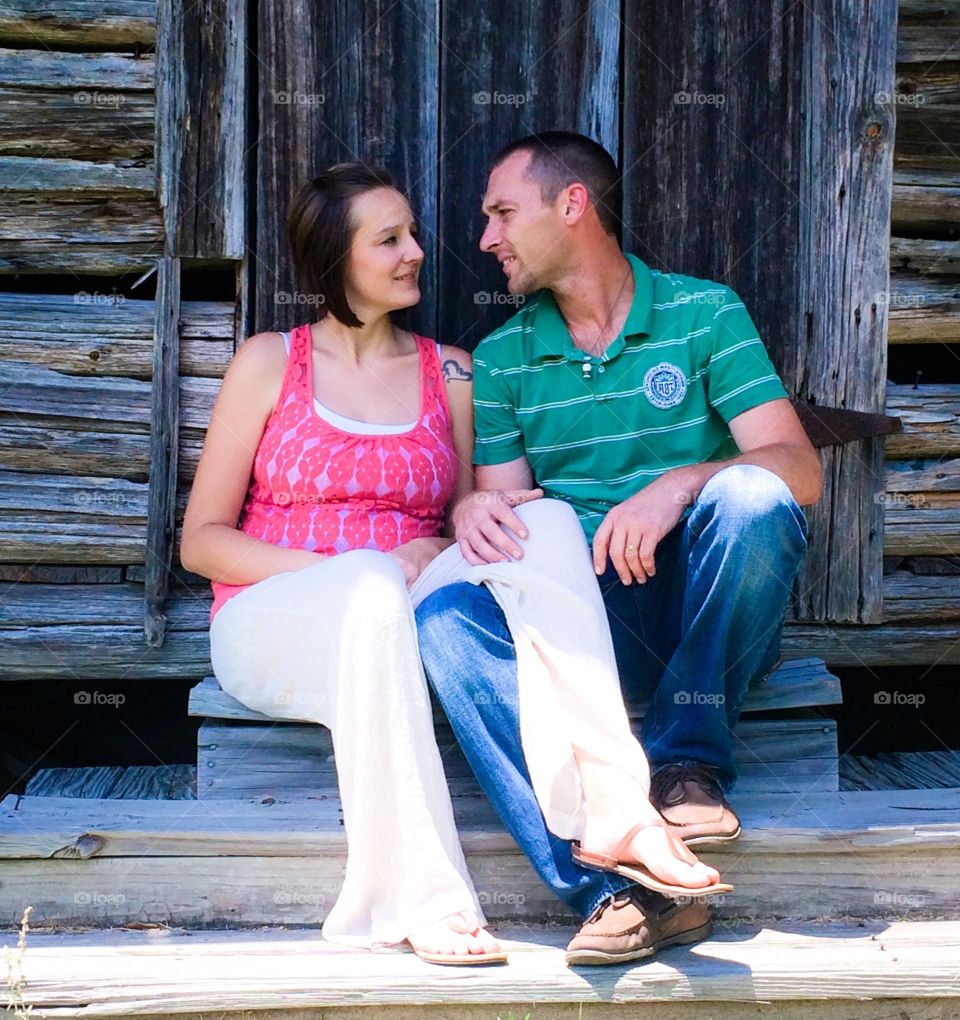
(526,235)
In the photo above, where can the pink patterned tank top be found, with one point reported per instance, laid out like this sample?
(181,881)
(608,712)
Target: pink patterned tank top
(314,486)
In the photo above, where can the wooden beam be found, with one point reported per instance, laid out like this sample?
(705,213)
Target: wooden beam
(875,854)
(846,178)
(104,23)
(918,255)
(164,438)
(201,126)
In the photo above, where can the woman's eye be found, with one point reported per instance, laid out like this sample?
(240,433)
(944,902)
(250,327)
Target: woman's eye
(387,240)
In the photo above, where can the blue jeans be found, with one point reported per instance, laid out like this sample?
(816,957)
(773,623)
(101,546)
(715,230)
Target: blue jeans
(692,638)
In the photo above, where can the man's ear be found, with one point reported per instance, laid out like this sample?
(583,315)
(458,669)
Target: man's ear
(574,202)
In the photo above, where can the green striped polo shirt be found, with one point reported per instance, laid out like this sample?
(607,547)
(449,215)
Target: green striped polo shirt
(597,429)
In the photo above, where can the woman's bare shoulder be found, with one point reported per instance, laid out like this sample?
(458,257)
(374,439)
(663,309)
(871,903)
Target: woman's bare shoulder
(457,364)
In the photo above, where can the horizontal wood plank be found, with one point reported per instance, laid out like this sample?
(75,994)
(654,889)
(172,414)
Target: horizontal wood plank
(242,760)
(797,683)
(909,596)
(897,971)
(923,310)
(927,31)
(920,255)
(109,125)
(925,200)
(894,644)
(78,22)
(77,72)
(861,854)
(930,417)
(921,531)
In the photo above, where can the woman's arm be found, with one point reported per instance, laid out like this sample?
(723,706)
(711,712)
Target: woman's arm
(211,545)
(458,378)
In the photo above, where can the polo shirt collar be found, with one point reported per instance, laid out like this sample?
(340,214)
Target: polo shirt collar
(552,338)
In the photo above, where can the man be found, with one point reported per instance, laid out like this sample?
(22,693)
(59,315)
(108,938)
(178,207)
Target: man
(648,402)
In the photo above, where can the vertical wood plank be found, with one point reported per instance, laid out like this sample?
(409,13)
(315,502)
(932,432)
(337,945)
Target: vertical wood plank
(748,160)
(343,81)
(710,127)
(846,184)
(507,73)
(201,137)
(164,432)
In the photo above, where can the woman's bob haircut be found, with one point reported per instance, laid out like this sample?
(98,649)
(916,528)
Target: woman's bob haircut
(321,231)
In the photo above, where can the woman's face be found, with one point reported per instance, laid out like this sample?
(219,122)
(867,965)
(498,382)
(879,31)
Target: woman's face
(385,258)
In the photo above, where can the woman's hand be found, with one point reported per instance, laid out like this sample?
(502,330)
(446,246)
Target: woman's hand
(414,556)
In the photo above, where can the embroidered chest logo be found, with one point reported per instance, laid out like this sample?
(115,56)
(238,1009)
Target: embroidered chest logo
(665,385)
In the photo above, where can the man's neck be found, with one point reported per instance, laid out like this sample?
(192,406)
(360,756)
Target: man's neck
(594,298)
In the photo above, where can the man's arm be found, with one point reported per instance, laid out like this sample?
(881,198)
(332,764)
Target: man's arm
(769,435)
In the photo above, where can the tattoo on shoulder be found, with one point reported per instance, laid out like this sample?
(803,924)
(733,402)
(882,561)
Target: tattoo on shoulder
(453,371)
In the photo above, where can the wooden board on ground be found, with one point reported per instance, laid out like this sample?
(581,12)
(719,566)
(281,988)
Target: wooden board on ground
(142,973)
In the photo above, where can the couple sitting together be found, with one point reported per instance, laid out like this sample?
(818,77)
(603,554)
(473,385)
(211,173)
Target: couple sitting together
(611,507)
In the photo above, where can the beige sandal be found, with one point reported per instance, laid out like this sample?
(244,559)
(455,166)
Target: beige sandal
(461,959)
(637,872)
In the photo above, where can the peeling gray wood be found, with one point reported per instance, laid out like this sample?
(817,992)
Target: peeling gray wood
(324,98)
(503,75)
(105,23)
(164,439)
(846,179)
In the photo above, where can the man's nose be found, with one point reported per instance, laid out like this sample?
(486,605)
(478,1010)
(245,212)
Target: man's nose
(489,239)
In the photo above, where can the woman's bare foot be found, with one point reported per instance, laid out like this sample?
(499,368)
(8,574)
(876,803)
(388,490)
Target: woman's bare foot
(455,935)
(663,854)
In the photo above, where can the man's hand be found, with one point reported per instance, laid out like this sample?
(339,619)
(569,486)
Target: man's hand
(480,521)
(417,553)
(632,530)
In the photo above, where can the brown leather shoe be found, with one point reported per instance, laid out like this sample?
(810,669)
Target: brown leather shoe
(691,800)
(634,924)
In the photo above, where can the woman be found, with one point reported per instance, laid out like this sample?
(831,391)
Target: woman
(338,450)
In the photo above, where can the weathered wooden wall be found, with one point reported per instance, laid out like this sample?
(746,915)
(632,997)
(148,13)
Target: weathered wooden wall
(151,168)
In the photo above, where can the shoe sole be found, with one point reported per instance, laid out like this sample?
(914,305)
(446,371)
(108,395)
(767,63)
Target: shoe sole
(596,958)
(710,840)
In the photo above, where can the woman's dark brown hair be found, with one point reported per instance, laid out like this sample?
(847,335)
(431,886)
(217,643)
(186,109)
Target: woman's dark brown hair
(321,230)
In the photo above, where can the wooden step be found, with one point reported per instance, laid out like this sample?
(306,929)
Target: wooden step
(888,854)
(243,753)
(870,971)
(796,683)
(296,760)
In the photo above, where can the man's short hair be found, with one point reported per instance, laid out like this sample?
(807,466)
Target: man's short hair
(562,158)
